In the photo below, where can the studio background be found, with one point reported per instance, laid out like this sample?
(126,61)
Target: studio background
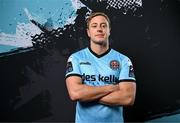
(37,37)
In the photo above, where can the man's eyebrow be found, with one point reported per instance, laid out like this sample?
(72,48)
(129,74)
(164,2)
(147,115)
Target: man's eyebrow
(93,23)
(97,23)
(103,23)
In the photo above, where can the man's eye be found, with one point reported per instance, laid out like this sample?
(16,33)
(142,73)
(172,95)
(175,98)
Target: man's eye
(93,26)
(104,26)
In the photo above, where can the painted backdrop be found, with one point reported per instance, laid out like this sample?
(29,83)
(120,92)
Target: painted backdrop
(37,36)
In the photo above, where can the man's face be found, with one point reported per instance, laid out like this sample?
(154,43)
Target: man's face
(98,30)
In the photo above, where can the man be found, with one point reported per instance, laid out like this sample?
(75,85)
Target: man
(99,78)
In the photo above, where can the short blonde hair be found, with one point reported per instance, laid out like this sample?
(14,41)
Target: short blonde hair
(92,15)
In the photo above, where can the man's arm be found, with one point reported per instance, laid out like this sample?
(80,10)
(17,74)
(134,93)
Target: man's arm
(82,92)
(124,96)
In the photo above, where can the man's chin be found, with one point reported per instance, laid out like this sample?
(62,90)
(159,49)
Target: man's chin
(100,42)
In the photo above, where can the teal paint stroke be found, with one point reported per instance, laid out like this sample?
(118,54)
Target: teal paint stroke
(15,23)
(166,119)
(6,48)
(12,12)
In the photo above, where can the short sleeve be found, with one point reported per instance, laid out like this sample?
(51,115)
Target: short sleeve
(127,71)
(72,67)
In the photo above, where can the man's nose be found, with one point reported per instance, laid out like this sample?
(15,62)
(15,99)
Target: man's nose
(99,29)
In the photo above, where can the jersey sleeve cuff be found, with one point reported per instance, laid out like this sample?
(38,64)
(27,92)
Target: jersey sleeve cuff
(73,74)
(127,80)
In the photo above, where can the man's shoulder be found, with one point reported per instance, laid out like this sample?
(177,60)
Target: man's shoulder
(79,53)
(119,54)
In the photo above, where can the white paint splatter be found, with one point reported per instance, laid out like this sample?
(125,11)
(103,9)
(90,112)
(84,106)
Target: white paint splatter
(77,4)
(22,37)
(70,20)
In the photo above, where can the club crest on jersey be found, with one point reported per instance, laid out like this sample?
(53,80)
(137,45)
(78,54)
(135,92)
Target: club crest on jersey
(114,65)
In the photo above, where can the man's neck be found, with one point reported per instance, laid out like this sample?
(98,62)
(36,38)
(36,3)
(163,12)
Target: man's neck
(99,49)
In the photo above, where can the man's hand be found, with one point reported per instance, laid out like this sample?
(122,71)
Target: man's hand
(124,95)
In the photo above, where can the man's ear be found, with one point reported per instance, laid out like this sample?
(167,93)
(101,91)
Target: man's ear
(88,32)
(109,31)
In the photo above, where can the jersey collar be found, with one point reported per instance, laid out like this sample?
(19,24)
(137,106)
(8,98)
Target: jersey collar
(101,55)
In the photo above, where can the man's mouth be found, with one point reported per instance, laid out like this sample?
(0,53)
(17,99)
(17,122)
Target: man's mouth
(100,35)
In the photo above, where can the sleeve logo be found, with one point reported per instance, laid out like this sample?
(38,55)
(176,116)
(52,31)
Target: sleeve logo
(69,67)
(131,71)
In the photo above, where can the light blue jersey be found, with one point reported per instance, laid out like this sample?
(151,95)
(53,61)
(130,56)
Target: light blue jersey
(111,67)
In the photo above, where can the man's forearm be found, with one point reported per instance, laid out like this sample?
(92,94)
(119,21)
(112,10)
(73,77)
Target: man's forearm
(114,98)
(91,93)
(120,97)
